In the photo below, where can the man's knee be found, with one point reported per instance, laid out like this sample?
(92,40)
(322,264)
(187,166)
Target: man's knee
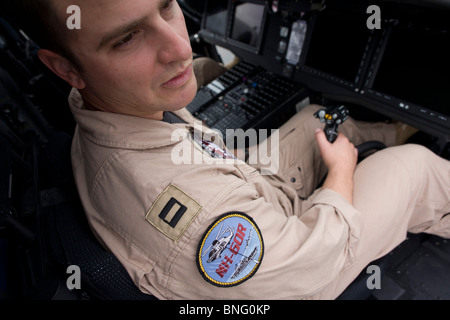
(412,152)
(400,161)
(303,118)
(310,110)
(206,70)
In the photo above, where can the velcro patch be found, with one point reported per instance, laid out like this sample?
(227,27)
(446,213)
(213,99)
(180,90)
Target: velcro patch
(172,212)
(231,250)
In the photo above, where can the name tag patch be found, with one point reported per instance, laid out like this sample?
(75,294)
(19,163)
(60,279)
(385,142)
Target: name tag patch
(231,250)
(211,148)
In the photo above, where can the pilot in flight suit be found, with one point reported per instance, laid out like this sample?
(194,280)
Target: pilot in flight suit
(185,217)
(188,223)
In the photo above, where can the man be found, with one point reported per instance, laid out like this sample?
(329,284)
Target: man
(219,229)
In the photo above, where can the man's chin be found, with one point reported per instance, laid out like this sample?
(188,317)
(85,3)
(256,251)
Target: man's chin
(183,97)
(189,92)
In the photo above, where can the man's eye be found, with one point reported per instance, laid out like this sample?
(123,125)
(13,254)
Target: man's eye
(127,40)
(167,5)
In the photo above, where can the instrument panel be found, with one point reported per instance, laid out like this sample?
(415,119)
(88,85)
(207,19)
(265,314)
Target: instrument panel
(390,57)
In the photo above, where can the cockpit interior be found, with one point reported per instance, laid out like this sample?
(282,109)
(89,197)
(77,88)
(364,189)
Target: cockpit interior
(384,60)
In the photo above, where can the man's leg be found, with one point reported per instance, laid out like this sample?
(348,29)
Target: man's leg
(397,190)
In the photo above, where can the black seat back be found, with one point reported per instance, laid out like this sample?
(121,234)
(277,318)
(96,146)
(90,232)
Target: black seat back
(69,240)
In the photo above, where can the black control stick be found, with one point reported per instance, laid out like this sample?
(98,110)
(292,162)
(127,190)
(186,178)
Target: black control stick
(336,115)
(332,117)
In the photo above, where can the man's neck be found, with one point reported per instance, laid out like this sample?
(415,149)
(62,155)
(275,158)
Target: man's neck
(155,116)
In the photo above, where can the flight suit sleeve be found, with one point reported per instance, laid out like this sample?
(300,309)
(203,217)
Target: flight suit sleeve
(300,253)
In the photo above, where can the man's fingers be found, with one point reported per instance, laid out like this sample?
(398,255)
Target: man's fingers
(320,137)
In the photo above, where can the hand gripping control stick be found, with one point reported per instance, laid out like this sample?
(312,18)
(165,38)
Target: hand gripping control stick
(332,117)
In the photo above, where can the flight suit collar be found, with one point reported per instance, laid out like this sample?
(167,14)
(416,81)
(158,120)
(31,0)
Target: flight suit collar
(126,132)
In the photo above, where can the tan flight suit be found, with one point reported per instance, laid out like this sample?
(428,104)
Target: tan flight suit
(307,246)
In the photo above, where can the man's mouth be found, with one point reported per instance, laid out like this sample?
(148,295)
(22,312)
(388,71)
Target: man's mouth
(180,79)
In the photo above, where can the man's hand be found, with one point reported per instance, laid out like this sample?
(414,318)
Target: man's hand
(340,158)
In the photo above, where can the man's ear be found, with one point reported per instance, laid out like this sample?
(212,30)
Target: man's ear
(62,67)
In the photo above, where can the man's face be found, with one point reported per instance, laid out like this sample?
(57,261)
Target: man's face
(135,55)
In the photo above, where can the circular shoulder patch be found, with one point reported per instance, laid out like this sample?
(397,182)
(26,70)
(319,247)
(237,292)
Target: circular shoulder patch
(231,250)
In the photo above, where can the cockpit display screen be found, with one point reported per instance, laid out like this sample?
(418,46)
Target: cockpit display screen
(337,45)
(416,67)
(248,24)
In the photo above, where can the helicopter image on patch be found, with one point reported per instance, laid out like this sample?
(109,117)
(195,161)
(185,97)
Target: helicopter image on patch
(219,245)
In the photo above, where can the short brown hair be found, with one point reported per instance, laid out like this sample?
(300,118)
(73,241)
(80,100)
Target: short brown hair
(38,19)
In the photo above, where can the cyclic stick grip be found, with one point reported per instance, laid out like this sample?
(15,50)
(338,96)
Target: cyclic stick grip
(332,116)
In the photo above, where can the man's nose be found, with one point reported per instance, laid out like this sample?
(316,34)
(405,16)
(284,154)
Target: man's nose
(174,45)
